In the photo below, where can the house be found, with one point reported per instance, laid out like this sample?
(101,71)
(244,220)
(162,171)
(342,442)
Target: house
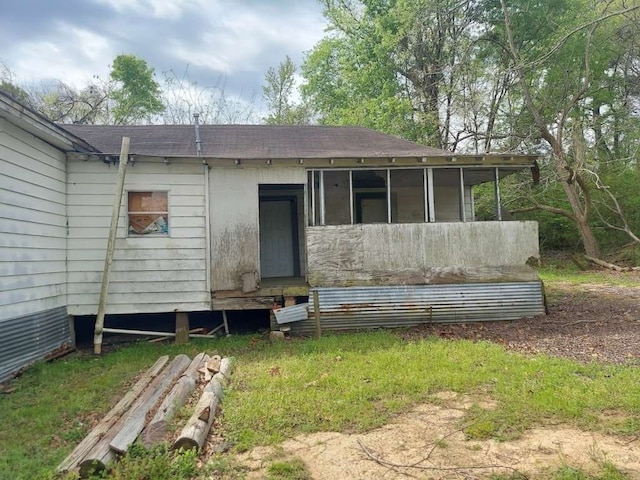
(379,231)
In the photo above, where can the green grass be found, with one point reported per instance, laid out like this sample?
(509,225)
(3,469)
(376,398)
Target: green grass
(298,387)
(563,274)
(607,472)
(348,383)
(294,469)
(48,413)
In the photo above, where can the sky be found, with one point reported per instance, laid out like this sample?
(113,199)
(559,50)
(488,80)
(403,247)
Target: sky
(228,41)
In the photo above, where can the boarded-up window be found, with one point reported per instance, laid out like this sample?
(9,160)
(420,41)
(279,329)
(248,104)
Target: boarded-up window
(148,213)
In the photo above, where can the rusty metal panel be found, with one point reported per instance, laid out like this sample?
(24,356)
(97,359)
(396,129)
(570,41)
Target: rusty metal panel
(294,313)
(29,338)
(409,305)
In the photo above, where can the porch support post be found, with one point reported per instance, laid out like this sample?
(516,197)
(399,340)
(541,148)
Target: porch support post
(388,195)
(182,328)
(496,180)
(430,198)
(313,197)
(425,195)
(322,203)
(463,214)
(351,196)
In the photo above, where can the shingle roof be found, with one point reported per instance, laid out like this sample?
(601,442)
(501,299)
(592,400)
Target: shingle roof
(251,141)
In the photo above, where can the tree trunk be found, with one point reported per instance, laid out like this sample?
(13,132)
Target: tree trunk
(581,217)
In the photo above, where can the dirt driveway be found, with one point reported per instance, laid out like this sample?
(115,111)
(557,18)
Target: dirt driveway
(588,323)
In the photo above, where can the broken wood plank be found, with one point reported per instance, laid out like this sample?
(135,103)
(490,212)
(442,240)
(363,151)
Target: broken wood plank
(84,447)
(135,420)
(156,430)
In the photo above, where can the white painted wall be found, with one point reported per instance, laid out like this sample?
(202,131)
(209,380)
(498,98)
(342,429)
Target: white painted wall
(235,236)
(32,224)
(150,273)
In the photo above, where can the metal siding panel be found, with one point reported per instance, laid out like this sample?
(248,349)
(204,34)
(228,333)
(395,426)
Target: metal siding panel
(294,313)
(405,306)
(26,339)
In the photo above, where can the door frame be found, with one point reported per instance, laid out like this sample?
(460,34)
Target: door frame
(293,212)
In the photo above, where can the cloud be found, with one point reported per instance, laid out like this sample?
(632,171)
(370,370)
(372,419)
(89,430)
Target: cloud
(235,39)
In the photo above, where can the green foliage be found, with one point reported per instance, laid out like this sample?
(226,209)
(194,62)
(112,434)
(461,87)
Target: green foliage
(158,463)
(137,94)
(382,66)
(277,94)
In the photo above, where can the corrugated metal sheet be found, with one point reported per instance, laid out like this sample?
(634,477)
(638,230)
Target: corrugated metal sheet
(404,306)
(294,313)
(24,340)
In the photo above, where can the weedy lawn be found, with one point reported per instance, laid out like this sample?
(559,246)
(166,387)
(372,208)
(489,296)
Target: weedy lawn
(350,382)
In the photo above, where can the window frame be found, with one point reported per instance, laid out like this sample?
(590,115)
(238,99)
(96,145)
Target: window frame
(128,212)
(316,194)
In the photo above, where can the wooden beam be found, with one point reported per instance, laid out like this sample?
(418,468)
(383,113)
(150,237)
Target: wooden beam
(135,420)
(249,303)
(111,244)
(316,313)
(182,328)
(100,430)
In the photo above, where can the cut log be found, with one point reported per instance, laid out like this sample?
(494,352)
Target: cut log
(226,365)
(85,446)
(213,364)
(156,430)
(195,433)
(135,420)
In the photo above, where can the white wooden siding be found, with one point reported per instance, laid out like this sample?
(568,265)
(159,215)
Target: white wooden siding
(235,236)
(32,224)
(149,273)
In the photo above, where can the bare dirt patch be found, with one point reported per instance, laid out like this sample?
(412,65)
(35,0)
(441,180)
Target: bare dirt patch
(427,443)
(585,323)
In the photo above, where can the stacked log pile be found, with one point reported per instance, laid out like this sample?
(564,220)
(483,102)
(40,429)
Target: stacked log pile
(164,389)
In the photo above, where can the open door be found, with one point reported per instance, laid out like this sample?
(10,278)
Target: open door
(280,208)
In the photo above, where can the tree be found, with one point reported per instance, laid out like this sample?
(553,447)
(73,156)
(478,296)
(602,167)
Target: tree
(403,67)
(277,93)
(183,97)
(9,85)
(561,72)
(136,95)
(62,103)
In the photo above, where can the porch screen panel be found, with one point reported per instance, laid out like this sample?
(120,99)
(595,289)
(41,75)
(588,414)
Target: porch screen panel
(446,191)
(336,197)
(407,196)
(480,183)
(370,196)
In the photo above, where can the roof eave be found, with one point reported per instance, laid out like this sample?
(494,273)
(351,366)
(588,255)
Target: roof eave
(41,127)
